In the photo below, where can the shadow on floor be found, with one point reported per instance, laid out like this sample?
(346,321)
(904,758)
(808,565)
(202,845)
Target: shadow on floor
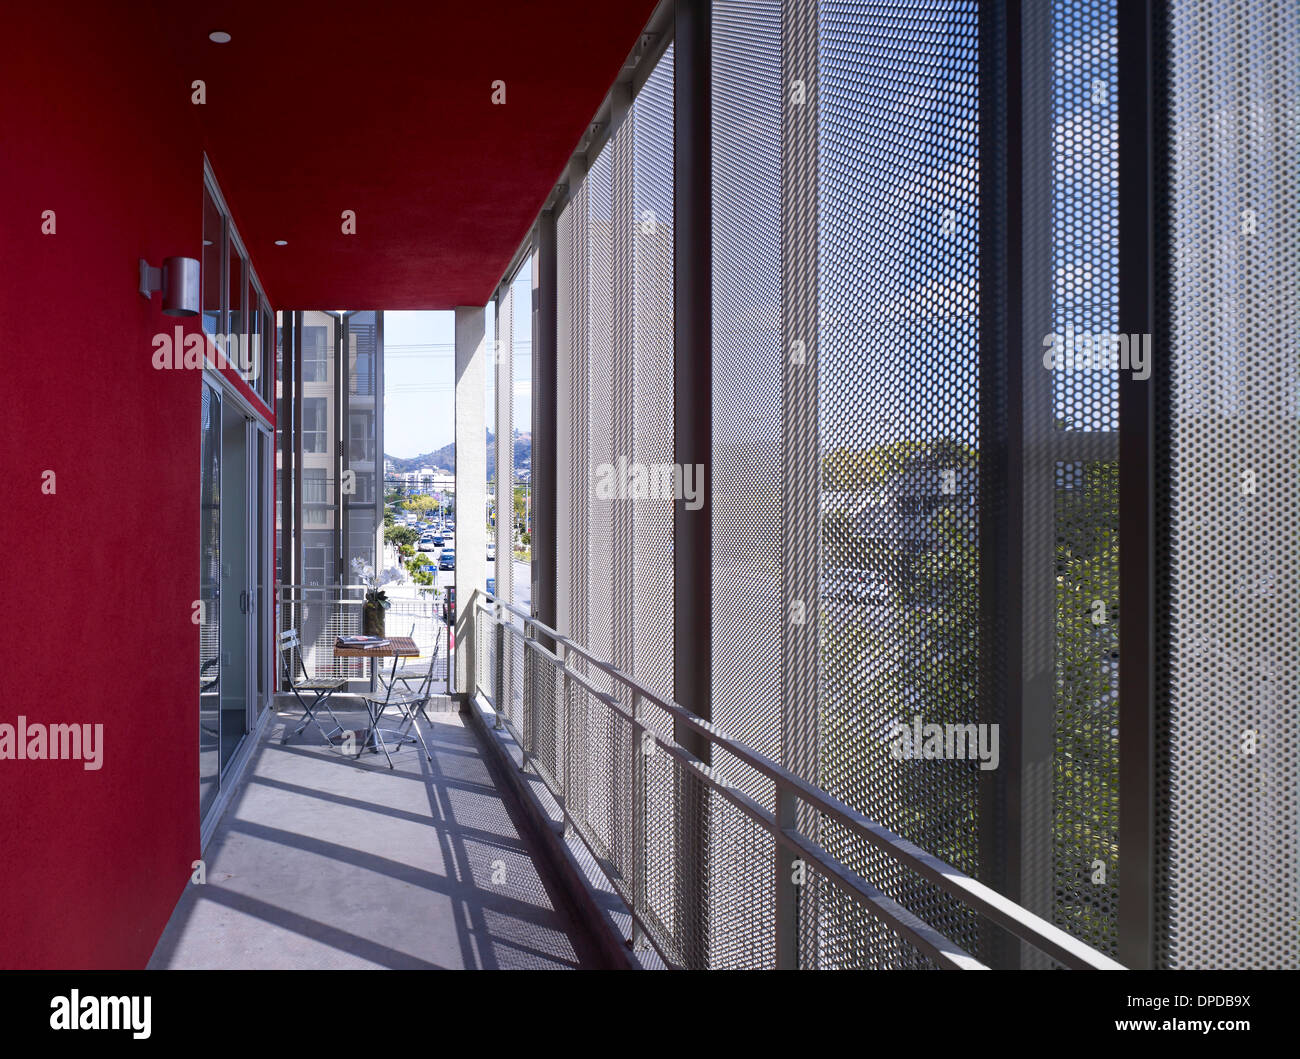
(324,861)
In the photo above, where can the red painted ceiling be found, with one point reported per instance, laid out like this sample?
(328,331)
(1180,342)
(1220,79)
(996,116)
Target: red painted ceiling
(386,109)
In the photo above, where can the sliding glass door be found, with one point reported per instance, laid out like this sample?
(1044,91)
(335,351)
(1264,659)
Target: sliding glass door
(236,655)
(208,614)
(236,577)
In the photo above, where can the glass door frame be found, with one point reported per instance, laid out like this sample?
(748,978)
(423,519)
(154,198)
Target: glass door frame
(257,522)
(264,626)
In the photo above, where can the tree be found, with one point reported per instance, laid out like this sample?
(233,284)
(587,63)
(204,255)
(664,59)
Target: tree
(400,535)
(421,505)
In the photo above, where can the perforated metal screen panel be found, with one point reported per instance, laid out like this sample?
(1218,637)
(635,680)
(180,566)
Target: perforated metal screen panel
(1071,473)
(879,501)
(1228,880)
(652,377)
(899,403)
(748,515)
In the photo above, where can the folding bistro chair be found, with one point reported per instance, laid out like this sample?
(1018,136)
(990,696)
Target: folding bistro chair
(407,671)
(321,689)
(407,705)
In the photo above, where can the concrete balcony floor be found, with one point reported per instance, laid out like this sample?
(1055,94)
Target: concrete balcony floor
(322,861)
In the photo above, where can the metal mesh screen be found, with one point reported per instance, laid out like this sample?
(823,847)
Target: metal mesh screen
(571,343)
(898,395)
(1070,582)
(651,401)
(1228,879)
(849,937)
(748,510)
(601,449)
(599,789)
(649,513)
(747,373)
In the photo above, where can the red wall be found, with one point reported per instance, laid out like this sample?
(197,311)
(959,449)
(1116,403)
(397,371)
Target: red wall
(97,580)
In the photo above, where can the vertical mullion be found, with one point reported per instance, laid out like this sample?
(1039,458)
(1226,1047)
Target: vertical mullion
(1031,823)
(377,436)
(1001,364)
(693,444)
(1137,480)
(545,426)
(337,456)
(298,474)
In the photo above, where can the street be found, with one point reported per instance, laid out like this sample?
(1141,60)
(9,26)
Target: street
(407,589)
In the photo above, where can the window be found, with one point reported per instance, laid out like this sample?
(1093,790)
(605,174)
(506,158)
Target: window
(315,486)
(315,425)
(315,354)
(313,564)
(233,302)
(361,440)
(213,240)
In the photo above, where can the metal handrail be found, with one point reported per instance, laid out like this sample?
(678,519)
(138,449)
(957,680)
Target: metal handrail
(1022,923)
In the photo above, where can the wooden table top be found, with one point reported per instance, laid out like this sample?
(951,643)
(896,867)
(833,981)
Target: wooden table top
(397,646)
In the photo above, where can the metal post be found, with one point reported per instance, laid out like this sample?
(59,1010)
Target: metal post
(786,889)
(298,577)
(1001,474)
(499,668)
(801,454)
(528,704)
(637,882)
(693,441)
(566,768)
(545,427)
(471,485)
(1136,32)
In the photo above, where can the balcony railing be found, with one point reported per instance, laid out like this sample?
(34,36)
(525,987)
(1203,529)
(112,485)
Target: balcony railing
(723,864)
(322,613)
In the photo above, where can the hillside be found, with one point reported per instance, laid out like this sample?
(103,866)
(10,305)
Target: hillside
(443,460)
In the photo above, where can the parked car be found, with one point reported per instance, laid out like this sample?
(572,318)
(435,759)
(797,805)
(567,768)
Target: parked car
(447,561)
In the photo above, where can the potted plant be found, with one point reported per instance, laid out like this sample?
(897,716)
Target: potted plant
(376,599)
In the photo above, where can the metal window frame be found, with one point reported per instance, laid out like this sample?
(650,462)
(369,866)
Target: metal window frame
(253,291)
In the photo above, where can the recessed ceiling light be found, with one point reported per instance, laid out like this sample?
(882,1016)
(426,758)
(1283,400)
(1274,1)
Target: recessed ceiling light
(282,242)
(218,36)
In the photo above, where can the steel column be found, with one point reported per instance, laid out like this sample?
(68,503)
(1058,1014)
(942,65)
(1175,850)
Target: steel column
(545,426)
(1136,32)
(471,486)
(1001,474)
(693,442)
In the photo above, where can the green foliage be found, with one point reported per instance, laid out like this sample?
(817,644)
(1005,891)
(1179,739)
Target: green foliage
(920,653)
(401,535)
(421,505)
(874,470)
(1086,773)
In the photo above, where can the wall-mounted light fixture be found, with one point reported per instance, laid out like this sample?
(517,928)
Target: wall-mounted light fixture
(178,279)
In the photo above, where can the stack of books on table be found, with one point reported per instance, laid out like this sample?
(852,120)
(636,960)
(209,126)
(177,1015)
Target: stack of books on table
(360,641)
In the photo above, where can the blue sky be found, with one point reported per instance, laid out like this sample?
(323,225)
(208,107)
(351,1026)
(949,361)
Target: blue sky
(419,382)
(420,374)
